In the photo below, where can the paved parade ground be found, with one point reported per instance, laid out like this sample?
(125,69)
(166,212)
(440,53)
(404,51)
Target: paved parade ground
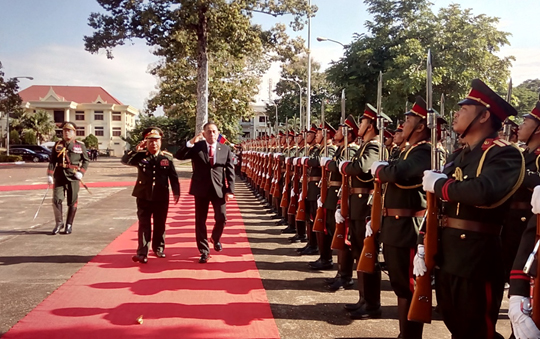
(33,264)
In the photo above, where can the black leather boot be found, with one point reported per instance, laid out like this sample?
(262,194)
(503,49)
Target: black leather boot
(59,223)
(361,301)
(370,287)
(409,329)
(69,219)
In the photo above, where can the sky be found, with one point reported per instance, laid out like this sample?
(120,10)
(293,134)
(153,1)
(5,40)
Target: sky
(44,39)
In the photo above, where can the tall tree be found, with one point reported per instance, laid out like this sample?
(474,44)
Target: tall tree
(191,29)
(10,101)
(463,46)
(525,95)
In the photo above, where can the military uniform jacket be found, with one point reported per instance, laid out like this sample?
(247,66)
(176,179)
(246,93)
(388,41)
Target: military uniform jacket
(335,176)
(314,163)
(479,183)
(68,159)
(360,176)
(313,186)
(154,172)
(404,191)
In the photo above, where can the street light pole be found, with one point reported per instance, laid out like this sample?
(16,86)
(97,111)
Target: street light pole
(7,115)
(320,38)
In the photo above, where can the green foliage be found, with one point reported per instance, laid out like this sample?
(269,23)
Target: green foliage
(10,158)
(91,141)
(29,137)
(10,101)
(40,123)
(463,47)
(175,130)
(191,35)
(14,137)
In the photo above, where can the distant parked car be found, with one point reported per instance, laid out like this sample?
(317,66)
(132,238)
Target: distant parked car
(35,148)
(29,155)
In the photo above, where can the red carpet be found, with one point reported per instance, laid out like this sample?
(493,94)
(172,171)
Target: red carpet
(177,296)
(44,186)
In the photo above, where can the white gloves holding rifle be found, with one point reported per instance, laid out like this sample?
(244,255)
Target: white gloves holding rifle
(376,165)
(522,323)
(324,160)
(369,230)
(339,217)
(319,203)
(430,178)
(419,263)
(535,200)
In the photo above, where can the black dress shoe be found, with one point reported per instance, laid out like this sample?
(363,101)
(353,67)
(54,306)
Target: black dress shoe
(363,313)
(310,251)
(340,284)
(294,239)
(322,265)
(217,245)
(354,307)
(301,249)
(139,258)
(68,229)
(159,254)
(330,281)
(203,259)
(288,230)
(282,222)
(57,229)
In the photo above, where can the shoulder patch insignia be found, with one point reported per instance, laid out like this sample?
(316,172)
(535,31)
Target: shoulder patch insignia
(537,151)
(487,144)
(501,142)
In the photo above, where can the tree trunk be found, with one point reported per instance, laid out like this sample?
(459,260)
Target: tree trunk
(202,69)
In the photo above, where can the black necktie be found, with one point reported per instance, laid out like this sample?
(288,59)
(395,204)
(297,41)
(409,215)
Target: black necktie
(211,155)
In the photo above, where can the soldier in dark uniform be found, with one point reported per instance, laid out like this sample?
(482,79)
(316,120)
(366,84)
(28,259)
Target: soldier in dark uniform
(315,163)
(404,208)
(475,188)
(288,154)
(155,171)
(67,165)
(520,207)
(313,139)
(343,278)
(399,144)
(358,169)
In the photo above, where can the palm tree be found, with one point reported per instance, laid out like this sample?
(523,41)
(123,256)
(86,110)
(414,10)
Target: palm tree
(42,124)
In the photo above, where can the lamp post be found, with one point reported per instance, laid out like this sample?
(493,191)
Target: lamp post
(320,38)
(7,114)
(300,95)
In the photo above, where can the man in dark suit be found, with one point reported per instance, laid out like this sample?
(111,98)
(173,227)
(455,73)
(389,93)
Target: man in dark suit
(212,182)
(155,171)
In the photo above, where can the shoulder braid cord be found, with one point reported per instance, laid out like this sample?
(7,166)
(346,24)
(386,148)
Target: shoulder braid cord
(458,175)
(404,158)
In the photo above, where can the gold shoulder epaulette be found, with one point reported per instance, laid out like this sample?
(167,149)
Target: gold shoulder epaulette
(501,142)
(167,153)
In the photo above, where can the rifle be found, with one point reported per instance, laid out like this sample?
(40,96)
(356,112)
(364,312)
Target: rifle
(319,224)
(286,183)
(369,251)
(338,241)
(301,212)
(420,309)
(507,127)
(293,203)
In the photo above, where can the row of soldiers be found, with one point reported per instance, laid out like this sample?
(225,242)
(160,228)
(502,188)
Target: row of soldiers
(322,186)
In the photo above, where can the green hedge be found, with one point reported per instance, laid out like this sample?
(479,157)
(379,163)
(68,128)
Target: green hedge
(10,158)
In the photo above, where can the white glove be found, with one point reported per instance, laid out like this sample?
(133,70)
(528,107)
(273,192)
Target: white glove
(523,325)
(304,160)
(50,180)
(376,165)
(295,161)
(284,189)
(339,217)
(300,197)
(78,175)
(319,203)
(287,160)
(340,165)
(324,160)
(292,193)
(369,230)
(535,200)
(419,263)
(429,179)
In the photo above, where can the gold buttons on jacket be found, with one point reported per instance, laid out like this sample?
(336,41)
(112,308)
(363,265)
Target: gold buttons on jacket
(523,219)
(397,217)
(359,195)
(463,236)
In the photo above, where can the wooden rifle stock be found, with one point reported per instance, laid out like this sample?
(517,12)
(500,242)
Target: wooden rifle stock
(301,213)
(286,182)
(338,241)
(421,303)
(536,289)
(268,169)
(369,252)
(293,202)
(319,225)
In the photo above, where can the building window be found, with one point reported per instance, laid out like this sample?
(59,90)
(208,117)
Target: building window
(80,131)
(262,118)
(79,115)
(117,131)
(98,131)
(117,116)
(98,115)
(58,116)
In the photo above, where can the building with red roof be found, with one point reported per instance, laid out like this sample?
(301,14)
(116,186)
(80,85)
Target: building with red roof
(91,108)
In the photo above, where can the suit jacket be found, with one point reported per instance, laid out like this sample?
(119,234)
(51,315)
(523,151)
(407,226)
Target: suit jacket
(218,177)
(154,175)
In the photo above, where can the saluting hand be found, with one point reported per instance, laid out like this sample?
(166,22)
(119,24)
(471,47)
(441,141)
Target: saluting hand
(228,197)
(140,146)
(197,138)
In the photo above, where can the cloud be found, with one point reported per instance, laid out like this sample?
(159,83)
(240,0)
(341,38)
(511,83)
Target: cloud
(527,64)
(125,77)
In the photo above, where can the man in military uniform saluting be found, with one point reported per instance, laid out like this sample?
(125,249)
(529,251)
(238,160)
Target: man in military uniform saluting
(68,163)
(155,171)
(475,187)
